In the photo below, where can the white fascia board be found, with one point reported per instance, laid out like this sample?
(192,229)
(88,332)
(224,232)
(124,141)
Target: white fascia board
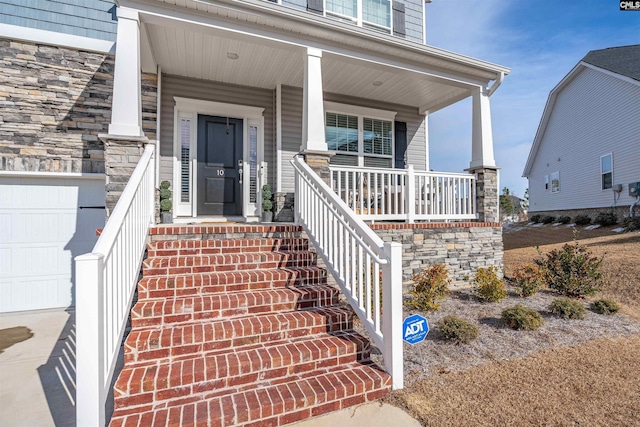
(16,32)
(303,20)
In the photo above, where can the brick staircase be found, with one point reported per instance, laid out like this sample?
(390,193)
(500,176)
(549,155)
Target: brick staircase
(237,326)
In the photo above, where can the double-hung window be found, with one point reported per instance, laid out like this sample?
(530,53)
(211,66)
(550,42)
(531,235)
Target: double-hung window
(606,171)
(555,182)
(375,14)
(359,136)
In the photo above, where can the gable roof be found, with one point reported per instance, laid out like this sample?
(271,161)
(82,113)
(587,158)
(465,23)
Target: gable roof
(622,62)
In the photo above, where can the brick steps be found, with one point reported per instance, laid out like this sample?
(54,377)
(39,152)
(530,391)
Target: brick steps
(236,325)
(229,372)
(211,282)
(224,246)
(228,262)
(202,337)
(273,405)
(217,305)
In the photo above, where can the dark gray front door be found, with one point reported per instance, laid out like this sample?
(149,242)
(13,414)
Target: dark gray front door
(219,151)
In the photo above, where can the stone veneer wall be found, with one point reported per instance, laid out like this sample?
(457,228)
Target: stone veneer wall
(283,207)
(462,246)
(54,102)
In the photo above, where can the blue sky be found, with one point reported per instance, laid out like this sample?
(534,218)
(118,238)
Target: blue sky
(541,41)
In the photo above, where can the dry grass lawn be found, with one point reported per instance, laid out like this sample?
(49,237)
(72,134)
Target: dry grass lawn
(591,384)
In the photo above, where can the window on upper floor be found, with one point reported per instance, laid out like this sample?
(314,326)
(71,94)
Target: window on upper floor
(555,182)
(374,14)
(358,137)
(606,171)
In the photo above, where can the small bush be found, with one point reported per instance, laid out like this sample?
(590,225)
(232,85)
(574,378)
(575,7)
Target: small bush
(528,279)
(166,205)
(548,219)
(431,286)
(487,286)
(632,223)
(582,220)
(605,306)
(165,193)
(164,185)
(564,219)
(606,218)
(457,330)
(572,271)
(535,218)
(567,308)
(521,317)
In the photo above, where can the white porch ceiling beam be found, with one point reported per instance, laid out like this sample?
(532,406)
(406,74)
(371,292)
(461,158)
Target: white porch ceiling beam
(126,111)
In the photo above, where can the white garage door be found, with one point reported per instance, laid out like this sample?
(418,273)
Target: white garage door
(42,229)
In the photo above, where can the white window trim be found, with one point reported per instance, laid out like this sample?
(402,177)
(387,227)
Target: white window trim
(602,172)
(551,182)
(361,113)
(191,108)
(358,20)
(547,187)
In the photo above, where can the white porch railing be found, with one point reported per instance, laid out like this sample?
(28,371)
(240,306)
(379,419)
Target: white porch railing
(405,194)
(105,282)
(357,258)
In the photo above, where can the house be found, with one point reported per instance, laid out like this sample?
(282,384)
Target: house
(585,156)
(327,102)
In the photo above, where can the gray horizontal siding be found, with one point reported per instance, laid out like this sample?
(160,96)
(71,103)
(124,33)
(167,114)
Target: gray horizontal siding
(292,128)
(595,114)
(218,92)
(86,18)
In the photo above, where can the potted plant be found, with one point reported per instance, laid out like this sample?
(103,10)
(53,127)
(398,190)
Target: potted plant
(267,215)
(165,203)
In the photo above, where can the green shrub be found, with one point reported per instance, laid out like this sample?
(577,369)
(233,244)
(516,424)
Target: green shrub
(267,205)
(535,218)
(567,308)
(487,286)
(605,306)
(528,279)
(606,218)
(521,317)
(548,219)
(582,220)
(431,286)
(165,193)
(166,205)
(457,330)
(632,223)
(571,271)
(564,219)
(164,185)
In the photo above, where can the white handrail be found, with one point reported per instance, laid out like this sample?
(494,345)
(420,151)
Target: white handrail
(356,257)
(405,194)
(105,282)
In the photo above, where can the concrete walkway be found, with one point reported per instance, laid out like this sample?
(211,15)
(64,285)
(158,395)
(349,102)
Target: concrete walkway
(37,369)
(37,377)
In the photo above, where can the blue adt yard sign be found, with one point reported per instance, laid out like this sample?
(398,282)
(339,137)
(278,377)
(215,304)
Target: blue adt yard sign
(415,329)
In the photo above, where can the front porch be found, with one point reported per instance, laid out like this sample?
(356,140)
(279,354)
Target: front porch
(277,95)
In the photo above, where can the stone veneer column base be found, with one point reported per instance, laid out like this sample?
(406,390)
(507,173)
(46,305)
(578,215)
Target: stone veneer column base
(319,162)
(121,156)
(486,193)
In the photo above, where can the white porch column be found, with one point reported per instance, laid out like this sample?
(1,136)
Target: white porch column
(482,136)
(126,111)
(313,137)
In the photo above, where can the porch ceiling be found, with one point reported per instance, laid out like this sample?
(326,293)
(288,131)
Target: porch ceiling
(201,52)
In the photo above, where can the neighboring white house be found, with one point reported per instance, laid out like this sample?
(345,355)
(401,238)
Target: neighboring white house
(586,151)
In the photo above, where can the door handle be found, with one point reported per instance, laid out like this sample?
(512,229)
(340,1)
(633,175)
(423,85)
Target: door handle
(240,168)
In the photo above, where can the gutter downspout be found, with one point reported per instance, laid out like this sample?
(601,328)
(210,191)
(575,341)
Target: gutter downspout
(496,84)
